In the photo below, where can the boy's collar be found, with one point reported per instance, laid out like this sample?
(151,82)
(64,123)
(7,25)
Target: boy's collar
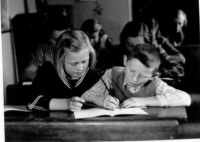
(131,88)
(125,85)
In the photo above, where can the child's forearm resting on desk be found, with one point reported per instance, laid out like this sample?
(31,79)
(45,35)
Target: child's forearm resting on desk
(66,104)
(103,100)
(169,96)
(164,96)
(98,94)
(94,98)
(140,102)
(59,104)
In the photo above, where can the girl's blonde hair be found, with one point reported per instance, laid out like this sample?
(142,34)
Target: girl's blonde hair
(72,41)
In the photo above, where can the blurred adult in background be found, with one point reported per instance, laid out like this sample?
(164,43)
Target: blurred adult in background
(136,32)
(157,39)
(175,33)
(54,27)
(100,41)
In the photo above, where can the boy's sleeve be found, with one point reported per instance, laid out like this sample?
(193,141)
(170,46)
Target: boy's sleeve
(99,89)
(169,96)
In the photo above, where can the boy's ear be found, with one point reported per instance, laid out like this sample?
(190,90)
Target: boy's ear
(125,60)
(155,74)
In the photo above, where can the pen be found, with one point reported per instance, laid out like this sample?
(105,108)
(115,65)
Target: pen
(110,92)
(92,105)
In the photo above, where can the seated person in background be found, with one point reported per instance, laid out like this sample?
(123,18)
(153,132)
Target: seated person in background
(59,86)
(56,25)
(136,32)
(137,84)
(157,39)
(175,33)
(100,41)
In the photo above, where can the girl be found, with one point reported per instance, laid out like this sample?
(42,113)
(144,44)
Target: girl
(59,86)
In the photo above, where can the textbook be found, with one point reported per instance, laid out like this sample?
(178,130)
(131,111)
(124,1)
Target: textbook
(27,83)
(15,108)
(95,112)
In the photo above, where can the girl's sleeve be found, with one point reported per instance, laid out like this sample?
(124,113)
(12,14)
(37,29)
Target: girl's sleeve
(173,52)
(169,67)
(39,103)
(41,93)
(169,96)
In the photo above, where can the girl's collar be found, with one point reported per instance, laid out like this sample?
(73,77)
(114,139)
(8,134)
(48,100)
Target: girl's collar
(79,80)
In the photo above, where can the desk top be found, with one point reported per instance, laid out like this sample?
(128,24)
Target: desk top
(160,124)
(154,113)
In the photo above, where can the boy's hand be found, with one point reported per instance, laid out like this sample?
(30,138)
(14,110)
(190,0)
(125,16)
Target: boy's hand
(75,103)
(134,102)
(111,102)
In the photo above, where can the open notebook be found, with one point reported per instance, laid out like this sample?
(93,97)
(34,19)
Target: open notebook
(94,112)
(15,108)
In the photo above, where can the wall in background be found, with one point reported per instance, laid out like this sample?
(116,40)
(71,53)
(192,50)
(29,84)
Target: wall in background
(15,7)
(112,14)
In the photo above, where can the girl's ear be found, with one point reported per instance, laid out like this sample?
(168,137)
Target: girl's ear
(125,60)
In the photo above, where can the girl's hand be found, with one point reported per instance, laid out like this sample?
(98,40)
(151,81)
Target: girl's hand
(75,103)
(111,102)
(134,102)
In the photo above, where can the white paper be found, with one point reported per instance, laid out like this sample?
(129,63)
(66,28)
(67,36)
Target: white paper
(127,111)
(94,112)
(15,108)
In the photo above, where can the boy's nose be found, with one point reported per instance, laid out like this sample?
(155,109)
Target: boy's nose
(135,78)
(80,67)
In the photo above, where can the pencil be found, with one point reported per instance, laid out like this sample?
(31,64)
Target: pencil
(92,105)
(110,92)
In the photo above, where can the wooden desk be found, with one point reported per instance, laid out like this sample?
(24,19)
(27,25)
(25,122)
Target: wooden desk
(160,124)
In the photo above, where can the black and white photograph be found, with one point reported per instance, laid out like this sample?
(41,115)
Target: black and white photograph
(100,70)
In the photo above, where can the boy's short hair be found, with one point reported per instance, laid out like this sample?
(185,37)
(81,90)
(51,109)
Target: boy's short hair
(145,53)
(73,41)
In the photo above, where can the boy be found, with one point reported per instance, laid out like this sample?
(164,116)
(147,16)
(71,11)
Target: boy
(136,84)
